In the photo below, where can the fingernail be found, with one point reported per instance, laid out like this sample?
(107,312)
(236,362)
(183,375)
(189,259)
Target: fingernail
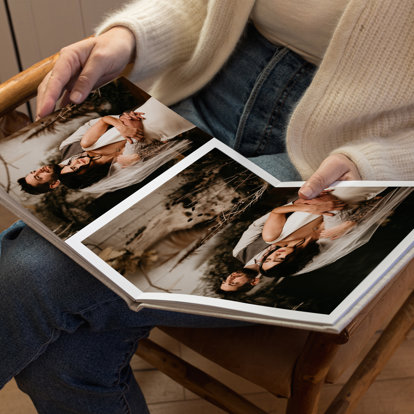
(306,192)
(76,97)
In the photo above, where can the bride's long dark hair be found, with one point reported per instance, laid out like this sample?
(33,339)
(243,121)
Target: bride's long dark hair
(294,262)
(85,176)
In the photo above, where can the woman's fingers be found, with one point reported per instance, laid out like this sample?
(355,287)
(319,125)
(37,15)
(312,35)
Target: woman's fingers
(63,75)
(46,101)
(85,65)
(336,167)
(125,116)
(137,115)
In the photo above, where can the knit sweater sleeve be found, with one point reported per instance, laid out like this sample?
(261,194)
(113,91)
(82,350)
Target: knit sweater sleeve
(383,158)
(360,102)
(164,31)
(180,43)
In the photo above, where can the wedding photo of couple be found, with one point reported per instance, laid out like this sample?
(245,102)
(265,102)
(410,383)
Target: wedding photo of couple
(102,149)
(271,247)
(67,169)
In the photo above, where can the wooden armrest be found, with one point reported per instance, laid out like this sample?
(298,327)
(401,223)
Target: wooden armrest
(23,86)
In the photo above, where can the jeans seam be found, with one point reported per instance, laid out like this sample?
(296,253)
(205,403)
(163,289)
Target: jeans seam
(53,336)
(282,98)
(125,402)
(278,55)
(93,307)
(123,386)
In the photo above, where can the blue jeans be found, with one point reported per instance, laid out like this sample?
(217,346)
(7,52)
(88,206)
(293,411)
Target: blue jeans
(248,103)
(68,339)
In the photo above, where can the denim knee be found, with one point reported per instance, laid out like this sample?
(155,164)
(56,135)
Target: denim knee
(32,267)
(88,372)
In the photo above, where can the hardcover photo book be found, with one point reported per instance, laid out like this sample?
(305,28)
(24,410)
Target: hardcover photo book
(171,218)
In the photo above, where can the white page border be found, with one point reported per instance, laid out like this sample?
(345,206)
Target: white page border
(336,320)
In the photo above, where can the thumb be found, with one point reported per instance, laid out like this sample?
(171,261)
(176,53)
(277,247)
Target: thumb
(332,169)
(314,186)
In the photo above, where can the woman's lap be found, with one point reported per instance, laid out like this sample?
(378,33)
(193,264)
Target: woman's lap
(65,330)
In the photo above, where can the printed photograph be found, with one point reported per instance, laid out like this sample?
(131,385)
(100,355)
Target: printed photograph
(218,230)
(74,165)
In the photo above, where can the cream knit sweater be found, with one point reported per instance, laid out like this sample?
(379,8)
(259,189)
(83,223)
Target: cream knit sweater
(360,103)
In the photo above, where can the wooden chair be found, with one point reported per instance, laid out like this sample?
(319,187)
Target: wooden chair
(290,363)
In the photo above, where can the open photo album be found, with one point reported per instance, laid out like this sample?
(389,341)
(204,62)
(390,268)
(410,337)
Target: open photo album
(171,218)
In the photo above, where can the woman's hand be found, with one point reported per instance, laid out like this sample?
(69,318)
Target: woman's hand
(129,128)
(336,167)
(133,121)
(127,160)
(324,204)
(338,231)
(131,115)
(128,132)
(85,65)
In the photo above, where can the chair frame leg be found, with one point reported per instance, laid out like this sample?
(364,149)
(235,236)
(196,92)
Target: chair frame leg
(195,380)
(311,370)
(375,360)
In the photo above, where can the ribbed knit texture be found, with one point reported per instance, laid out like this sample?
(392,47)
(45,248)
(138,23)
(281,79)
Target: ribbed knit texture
(360,103)
(182,42)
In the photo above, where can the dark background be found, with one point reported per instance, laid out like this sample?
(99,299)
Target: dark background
(322,290)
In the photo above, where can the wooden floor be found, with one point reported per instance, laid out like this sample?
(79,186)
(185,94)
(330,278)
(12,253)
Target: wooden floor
(392,392)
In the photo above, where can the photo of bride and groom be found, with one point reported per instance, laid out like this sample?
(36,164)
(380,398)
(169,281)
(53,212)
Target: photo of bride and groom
(268,254)
(103,149)
(305,235)
(79,162)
